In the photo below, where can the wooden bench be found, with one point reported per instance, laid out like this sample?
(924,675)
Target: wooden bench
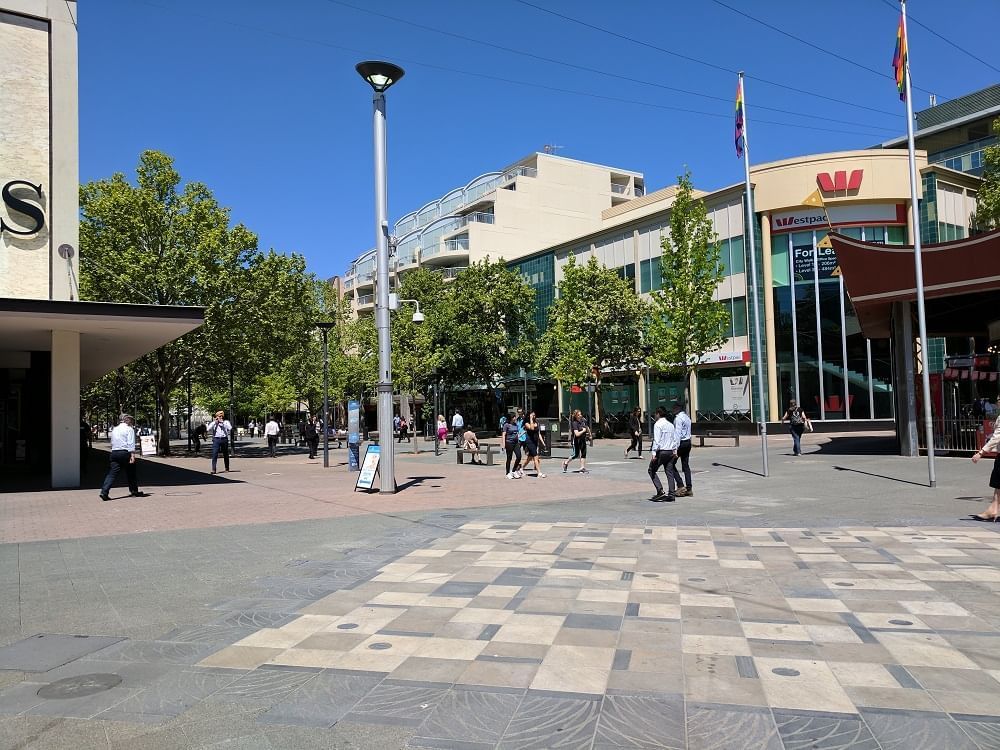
(487,449)
(730,433)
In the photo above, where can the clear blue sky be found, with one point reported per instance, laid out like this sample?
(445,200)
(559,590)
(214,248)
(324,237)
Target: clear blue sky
(260,101)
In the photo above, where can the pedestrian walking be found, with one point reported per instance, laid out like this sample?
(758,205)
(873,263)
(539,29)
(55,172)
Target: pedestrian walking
(533,441)
(579,431)
(395,423)
(512,445)
(663,450)
(798,422)
(85,443)
(122,457)
(271,431)
(220,430)
(442,429)
(682,426)
(312,436)
(199,434)
(302,431)
(635,431)
(993,511)
(457,427)
(404,430)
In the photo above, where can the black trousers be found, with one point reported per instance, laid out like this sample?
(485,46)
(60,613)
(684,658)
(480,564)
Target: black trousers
(512,452)
(120,460)
(635,444)
(272,443)
(313,446)
(684,456)
(665,459)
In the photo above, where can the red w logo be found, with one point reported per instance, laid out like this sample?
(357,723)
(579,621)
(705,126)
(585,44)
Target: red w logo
(839,182)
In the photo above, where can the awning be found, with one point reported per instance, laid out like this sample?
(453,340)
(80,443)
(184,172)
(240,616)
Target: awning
(111,334)
(961,283)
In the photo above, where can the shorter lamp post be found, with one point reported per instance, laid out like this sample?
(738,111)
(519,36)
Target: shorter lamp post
(418,318)
(325,327)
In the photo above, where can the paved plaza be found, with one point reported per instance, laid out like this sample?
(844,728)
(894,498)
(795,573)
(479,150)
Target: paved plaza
(837,604)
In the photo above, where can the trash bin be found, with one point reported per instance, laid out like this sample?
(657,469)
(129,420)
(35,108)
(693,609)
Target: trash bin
(548,431)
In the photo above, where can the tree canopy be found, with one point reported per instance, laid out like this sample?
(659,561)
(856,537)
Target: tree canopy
(988,199)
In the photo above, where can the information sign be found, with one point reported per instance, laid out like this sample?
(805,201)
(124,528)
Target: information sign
(369,468)
(353,435)
(148,444)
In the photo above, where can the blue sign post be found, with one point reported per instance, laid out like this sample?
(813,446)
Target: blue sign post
(353,436)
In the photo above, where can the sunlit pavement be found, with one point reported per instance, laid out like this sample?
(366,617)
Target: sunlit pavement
(837,603)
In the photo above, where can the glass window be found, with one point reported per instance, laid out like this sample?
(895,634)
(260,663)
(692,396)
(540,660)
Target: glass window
(650,275)
(736,250)
(738,317)
(896,235)
(779,260)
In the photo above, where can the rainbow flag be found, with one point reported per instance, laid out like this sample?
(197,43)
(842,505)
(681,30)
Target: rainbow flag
(899,60)
(739,119)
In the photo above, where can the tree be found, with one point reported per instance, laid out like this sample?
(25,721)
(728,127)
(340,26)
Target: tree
(686,321)
(987,214)
(153,242)
(596,321)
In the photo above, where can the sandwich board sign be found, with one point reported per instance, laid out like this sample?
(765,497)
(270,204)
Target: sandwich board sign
(148,445)
(369,468)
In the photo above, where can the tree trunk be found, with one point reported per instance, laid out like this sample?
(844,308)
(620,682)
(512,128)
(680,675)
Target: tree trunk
(163,399)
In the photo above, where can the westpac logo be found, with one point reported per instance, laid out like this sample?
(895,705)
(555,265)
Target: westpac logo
(800,220)
(839,182)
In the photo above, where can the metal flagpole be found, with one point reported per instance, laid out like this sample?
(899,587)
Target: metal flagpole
(917,262)
(750,224)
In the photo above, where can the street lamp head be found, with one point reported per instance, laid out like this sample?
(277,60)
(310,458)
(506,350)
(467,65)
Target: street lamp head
(380,75)
(418,317)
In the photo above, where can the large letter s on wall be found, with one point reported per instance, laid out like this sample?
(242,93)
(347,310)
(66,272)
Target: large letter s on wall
(30,210)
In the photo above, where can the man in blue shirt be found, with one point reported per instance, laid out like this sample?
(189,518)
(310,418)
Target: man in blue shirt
(682,426)
(122,456)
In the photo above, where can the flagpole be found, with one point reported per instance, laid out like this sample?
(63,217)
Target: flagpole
(918,263)
(750,226)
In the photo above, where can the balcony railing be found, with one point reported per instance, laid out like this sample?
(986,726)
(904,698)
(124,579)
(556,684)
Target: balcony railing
(478,217)
(510,174)
(366,299)
(451,273)
(456,246)
(406,260)
(620,189)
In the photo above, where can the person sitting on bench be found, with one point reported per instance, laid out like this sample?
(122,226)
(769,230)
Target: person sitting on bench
(472,444)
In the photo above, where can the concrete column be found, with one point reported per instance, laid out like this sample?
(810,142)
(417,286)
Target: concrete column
(64,203)
(769,330)
(65,409)
(692,408)
(642,392)
(905,380)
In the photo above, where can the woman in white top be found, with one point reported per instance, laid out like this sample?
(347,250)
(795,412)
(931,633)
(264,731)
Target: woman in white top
(993,511)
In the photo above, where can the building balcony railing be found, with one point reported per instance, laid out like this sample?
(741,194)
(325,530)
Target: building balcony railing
(406,260)
(511,174)
(451,273)
(365,299)
(478,217)
(457,245)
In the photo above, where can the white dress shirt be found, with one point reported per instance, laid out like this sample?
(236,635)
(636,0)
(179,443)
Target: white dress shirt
(458,422)
(271,428)
(221,429)
(682,425)
(123,438)
(664,436)
(991,445)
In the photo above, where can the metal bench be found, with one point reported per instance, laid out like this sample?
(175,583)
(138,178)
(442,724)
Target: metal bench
(730,433)
(487,449)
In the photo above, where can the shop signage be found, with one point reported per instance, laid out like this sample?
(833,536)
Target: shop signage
(802,262)
(815,218)
(369,467)
(21,206)
(736,393)
(839,182)
(721,358)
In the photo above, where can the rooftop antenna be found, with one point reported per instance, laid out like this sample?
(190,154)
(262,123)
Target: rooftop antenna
(933,100)
(551,148)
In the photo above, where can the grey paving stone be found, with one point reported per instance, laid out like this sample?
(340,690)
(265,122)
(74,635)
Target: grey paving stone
(322,701)
(397,703)
(46,651)
(804,730)
(719,727)
(214,634)
(984,730)
(164,652)
(170,695)
(254,618)
(262,687)
(913,730)
(475,716)
(459,588)
(635,721)
(593,622)
(541,723)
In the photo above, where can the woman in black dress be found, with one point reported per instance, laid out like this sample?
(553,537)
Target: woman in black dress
(532,439)
(991,445)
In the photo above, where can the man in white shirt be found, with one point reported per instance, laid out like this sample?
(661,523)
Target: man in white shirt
(457,428)
(682,426)
(220,429)
(271,430)
(664,449)
(122,456)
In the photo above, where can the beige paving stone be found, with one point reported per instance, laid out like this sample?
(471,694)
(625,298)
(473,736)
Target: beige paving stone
(336,604)
(715,645)
(874,584)
(398,644)
(445,601)
(483,616)
(371,661)
(646,682)
(429,670)
(587,637)
(579,656)
(832,634)
(450,648)
(428,553)
(924,650)
(956,680)
(240,657)
(572,679)
(922,607)
(273,638)
(814,688)
(660,611)
(308,624)
(861,674)
(884,620)
(498,674)
(603,595)
(465,630)
(398,597)
(775,631)
(616,609)
(344,641)
(503,591)
(367,619)
(878,697)
(737,563)
(540,629)
(519,650)
(309,657)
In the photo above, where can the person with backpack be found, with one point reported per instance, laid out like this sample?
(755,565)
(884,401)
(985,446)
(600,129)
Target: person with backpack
(512,444)
(798,423)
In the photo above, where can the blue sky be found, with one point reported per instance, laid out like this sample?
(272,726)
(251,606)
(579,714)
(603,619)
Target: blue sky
(260,101)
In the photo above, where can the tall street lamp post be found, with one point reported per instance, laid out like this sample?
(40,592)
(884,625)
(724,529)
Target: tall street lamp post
(325,328)
(380,76)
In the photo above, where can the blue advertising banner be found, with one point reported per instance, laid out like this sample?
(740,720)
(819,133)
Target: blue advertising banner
(353,435)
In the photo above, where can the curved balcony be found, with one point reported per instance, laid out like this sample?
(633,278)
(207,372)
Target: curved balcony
(364,280)
(445,252)
(364,302)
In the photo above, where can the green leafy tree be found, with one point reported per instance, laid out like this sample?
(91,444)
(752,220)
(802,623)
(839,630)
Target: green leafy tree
(686,321)
(987,214)
(596,321)
(157,242)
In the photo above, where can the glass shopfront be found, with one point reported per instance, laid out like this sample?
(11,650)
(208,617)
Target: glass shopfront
(823,360)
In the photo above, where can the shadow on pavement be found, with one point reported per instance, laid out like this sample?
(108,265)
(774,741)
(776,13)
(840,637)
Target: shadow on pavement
(738,468)
(414,482)
(859,445)
(880,476)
